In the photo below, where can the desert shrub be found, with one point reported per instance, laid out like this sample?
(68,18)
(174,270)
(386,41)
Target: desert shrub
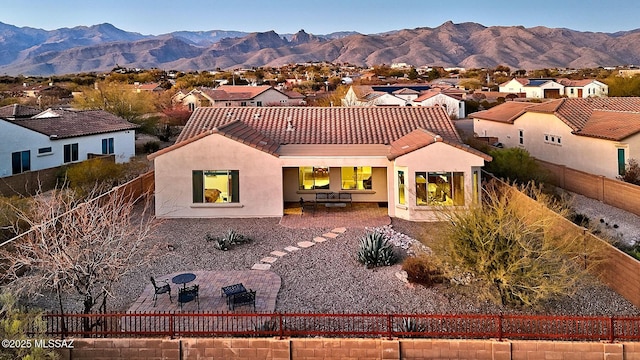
(228,240)
(412,326)
(10,223)
(94,175)
(631,173)
(513,247)
(515,164)
(375,250)
(423,269)
(150,147)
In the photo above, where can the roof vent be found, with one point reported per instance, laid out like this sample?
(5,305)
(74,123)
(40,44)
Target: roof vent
(230,114)
(437,138)
(289,125)
(256,116)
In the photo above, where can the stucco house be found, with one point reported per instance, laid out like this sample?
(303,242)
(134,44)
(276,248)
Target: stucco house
(236,95)
(595,135)
(383,95)
(584,88)
(56,137)
(554,88)
(453,104)
(248,162)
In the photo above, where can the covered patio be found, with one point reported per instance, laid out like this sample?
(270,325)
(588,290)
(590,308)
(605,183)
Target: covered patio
(355,215)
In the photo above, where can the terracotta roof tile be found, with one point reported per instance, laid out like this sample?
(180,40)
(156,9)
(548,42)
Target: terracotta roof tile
(326,125)
(71,123)
(505,113)
(611,125)
(420,138)
(240,132)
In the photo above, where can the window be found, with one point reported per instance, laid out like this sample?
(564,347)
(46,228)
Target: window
(107,146)
(216,186)
(311,178)
(439,188)
(401,188)
(521,136)
(552,139)
(356,178)
(192,106)
(243,103)
(44,150)
(70,153)
(259,103)
(20,161)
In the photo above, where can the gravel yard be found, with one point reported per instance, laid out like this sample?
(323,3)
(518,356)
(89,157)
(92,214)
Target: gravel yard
(325,277)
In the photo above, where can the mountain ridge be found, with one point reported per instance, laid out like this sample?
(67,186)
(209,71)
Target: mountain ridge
(96,48)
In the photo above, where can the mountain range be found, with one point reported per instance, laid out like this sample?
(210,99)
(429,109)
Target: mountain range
(31,51)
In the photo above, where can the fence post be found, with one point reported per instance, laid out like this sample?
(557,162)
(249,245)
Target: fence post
(390,326)
(281,330)
(612,335)
(500,331)
(171,331)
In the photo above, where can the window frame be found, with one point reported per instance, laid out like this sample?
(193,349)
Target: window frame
(107,146)
(314,170)
(455,191)
(20,162)
(358,173)
(198,190)
(70,153)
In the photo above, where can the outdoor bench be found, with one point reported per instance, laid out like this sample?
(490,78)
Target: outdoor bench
(329,198)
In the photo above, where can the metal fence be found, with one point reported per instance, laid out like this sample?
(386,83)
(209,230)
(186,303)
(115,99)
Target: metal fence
(281,325)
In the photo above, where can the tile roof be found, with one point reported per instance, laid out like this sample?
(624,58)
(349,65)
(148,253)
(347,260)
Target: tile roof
(71,123)
(420,138)
(505,113)
(241,132)
(611,125)
(326,125)
(235,92)
(17,111)
(613,118)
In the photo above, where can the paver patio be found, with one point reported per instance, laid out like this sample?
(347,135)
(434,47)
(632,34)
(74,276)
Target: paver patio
(358,215)
(265,283)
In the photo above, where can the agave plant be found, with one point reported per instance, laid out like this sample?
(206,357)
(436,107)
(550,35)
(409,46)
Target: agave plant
(412,326)
(231,238)
(375,251)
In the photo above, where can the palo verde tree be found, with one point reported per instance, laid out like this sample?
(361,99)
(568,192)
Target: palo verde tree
(513,246)
(78,249)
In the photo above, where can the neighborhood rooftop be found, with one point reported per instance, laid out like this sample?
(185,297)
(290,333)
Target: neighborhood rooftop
(63,123)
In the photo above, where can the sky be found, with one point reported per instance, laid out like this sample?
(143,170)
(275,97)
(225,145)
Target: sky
(156,17)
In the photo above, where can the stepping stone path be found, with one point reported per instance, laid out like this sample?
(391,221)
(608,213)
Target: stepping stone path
(265,263)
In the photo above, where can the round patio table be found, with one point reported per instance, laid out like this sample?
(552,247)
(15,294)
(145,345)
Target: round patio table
(183,279)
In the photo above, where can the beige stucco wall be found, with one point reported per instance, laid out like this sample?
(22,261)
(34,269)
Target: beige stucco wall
(266,181)
(592,155)
(260,180)
(433,158)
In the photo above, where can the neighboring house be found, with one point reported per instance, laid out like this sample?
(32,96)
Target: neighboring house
(248,162)
(236,95)
(382,95)
(454,105)
(554,88)
(595,135)
(56,137)
(152,87)
(584,88)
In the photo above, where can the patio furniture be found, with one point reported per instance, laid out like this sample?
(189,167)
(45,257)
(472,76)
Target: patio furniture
(183,279)
(245,298)
(232,290)
(332,199)
(160,290)
(188,294)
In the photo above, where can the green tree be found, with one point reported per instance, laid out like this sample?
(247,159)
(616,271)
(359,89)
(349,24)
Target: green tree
(116,99)
(514,250)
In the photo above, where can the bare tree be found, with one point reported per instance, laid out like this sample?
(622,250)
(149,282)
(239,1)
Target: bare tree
(79,248)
